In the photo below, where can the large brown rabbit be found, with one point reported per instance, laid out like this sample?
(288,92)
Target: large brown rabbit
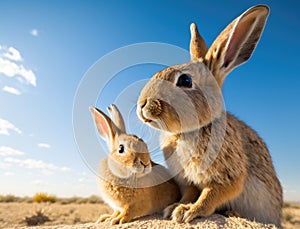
(220,163)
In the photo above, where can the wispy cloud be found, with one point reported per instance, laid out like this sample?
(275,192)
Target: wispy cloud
(43,145)
(13,54)
(11,90)
(5,126)
(9,67)
(34,32)
(7,151)
(36,164)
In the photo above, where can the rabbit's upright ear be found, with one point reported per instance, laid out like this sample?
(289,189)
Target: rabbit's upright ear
(236,42)
(198,47)
(105,126)
(117,118)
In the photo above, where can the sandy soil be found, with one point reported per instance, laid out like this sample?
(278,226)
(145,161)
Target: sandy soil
(19,215)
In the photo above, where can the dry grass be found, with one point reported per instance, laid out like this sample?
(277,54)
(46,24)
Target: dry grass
(44,197)
(16,215)
(291,216)
(18,212)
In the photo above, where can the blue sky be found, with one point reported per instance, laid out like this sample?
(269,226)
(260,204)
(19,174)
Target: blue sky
(46,47)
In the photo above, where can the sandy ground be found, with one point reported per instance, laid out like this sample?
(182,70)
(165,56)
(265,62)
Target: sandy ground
(14,215)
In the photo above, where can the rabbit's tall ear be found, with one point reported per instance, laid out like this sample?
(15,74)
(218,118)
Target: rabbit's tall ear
(105,126)
(236,42)
(117,118)
(198,47)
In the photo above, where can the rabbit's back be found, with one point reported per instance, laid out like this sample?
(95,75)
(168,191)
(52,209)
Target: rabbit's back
(261,198)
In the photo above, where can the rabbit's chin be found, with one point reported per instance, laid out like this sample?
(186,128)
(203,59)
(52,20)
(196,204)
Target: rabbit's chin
(124,172)
(140,171)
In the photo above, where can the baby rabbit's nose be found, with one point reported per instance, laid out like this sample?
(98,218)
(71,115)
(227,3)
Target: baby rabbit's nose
(144,164)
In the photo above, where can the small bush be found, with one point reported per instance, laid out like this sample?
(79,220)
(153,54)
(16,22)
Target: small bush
(37,219)
(94,200)
(288,217)
(80,200)
(44,197)
(9,199)
(28,200)
(70,200)
(286,204)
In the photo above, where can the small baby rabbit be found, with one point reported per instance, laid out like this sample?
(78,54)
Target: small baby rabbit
(129,181)
(220,165)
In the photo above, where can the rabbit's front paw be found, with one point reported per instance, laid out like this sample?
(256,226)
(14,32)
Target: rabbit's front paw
(116,220)
(169,210)
(120,218)
(103,218)
(184,213)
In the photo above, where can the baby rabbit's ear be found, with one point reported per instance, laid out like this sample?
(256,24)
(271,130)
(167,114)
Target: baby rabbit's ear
(236,42)
(198,47)
(105,126)
(117,118)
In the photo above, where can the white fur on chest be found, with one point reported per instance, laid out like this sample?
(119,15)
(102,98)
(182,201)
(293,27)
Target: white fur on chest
(191,163)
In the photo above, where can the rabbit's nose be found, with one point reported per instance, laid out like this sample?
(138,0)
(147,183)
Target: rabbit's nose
(152,106)
(144,164)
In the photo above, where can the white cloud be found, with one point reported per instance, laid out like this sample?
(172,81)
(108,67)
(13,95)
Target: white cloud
(36,164)
(11,69)
(65,169)
(13,54)
(7,151)
(4,165)
(11,90)
(34,32)
(5,126)
(39,183)
(8,173)
(43,145)
(8,67)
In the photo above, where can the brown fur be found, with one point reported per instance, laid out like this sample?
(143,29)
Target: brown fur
(130,182)
(209,150)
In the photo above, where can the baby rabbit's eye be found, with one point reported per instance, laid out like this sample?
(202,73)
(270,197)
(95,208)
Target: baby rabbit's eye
(184,81)
(121,148)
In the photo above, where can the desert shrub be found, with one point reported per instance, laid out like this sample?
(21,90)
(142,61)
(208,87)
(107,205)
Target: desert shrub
(27,200)
(44,197)
(80,200)
(286,204)
(287,216)
(94,200)
(9,198)
(37,219)
(70,200)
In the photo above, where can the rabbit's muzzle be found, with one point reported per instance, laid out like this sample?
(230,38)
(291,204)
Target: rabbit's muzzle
(142,167)
(149,110)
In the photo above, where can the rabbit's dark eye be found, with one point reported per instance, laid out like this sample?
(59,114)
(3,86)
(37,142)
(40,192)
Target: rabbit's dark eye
(121,148)
(184,81)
